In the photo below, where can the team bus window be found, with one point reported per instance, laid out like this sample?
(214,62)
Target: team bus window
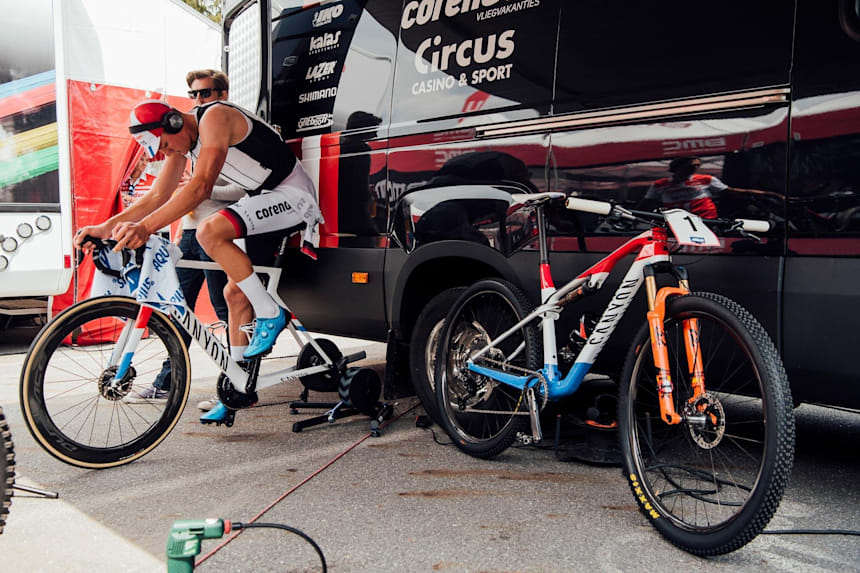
(615,52)
(29,156)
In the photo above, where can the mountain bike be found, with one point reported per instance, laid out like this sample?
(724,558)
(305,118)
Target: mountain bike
(81,368)
(704,409)
(7,469)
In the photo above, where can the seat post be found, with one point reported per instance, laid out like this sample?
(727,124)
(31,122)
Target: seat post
(541,225)
(282,250)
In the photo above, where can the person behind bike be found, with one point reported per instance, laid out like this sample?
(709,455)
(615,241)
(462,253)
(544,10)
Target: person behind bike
(220,139)
(204,86)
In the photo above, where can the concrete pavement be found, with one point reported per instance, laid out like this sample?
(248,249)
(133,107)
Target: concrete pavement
(400,502)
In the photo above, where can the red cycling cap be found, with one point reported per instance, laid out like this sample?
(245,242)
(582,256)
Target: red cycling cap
(144,123)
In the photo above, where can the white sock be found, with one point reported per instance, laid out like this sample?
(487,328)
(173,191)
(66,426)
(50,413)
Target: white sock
(264,305)
(237,353)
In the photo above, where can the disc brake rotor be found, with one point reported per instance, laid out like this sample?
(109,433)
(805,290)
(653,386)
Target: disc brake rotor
(466,384)
(710,433)
(114,392)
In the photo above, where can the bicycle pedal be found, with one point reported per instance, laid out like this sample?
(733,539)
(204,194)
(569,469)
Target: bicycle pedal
(534,415)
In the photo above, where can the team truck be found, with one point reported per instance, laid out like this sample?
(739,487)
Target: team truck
(420,119)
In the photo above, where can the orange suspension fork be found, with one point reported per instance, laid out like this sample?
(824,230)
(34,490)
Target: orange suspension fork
(656,316)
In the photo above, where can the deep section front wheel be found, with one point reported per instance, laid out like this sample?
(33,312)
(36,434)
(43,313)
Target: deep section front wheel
(72,405)
(7,469)
(712,482)
(483,416)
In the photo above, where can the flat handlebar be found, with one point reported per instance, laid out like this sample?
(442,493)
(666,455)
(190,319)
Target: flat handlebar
(606,208)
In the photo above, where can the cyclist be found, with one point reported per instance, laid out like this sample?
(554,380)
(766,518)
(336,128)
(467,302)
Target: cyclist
(691,191)
(223,140)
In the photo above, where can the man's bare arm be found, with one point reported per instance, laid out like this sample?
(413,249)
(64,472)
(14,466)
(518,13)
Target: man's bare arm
(158,195)
(216,132)
(164,185)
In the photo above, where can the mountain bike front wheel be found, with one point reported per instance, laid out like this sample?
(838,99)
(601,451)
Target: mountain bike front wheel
(71,404)
(712,482)
(481,415)
(7,469)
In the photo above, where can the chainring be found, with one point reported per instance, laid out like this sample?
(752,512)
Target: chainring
(231,397)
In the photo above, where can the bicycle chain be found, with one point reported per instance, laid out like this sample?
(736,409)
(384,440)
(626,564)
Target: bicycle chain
(542,395)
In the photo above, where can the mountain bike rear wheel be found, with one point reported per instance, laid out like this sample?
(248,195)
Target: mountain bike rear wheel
(483,416)
(711,483)
(7,469)
(68,401)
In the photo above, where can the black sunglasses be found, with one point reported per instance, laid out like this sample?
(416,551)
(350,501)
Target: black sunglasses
(205,92)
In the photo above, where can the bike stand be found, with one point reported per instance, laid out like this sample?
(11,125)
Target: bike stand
(36,491)
(336,411)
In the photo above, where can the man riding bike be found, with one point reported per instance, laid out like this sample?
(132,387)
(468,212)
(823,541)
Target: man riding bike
(222,140)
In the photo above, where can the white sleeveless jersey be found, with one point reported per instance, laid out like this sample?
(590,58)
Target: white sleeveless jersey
(260,161)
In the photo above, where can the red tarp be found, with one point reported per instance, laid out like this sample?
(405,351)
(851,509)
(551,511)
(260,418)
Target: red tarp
(102,154)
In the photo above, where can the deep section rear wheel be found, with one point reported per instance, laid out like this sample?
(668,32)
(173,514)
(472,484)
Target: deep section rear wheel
(69,402)
(7,469)
(711,483)
(483,416)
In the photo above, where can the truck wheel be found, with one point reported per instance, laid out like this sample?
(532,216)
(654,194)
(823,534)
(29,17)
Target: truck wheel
(422,347)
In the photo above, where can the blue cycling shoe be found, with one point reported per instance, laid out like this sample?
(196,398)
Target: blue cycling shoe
(266,331)
(218,415)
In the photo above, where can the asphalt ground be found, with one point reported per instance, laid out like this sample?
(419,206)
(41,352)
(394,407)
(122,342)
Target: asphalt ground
(399,502)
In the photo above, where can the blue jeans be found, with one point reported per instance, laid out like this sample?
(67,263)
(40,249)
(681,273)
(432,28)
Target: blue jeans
(191,282)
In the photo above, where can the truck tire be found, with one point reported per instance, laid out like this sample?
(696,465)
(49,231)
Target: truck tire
(422,347)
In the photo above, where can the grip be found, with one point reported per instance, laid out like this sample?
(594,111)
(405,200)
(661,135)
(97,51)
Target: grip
(353,357)
(588,205)
(755,225)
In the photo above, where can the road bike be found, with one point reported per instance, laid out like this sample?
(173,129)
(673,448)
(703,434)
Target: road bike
(705,417)
(80,370)
(7,469)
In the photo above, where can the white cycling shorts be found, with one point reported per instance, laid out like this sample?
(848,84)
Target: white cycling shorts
(288,206)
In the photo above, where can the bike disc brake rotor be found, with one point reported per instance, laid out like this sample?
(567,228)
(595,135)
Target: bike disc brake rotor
(115,392)
(474,388)
(709,434)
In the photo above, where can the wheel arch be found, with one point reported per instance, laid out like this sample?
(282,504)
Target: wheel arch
(434,268)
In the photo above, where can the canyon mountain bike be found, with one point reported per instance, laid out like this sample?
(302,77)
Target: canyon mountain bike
(704,409)
(81,368)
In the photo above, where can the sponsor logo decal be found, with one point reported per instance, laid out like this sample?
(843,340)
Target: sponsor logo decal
(420,12)
(320,71)
(318,95)
(315,122)
(327,15)
(466,61)
(327,41)
(681,146)
(276,209)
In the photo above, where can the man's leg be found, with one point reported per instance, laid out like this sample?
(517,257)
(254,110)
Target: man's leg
(216,235)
